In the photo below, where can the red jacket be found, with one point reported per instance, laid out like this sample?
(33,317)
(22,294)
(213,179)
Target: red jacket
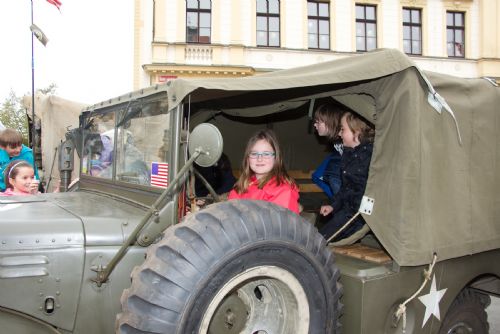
(285,195)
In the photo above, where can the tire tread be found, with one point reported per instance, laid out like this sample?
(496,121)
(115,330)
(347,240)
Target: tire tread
(184,257)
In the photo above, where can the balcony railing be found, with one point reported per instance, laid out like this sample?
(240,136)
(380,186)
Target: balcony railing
(198,54)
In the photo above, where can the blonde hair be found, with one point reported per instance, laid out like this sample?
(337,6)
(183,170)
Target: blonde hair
(278,171)
(359,125)
(330,115)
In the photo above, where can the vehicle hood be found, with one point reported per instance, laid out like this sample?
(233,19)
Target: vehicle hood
(64,219)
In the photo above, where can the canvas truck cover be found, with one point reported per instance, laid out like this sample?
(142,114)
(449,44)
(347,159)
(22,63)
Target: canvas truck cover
(434,174)
(56,116)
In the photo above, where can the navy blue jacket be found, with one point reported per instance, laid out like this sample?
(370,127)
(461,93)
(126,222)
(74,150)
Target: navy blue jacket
(327,175)
(354,167)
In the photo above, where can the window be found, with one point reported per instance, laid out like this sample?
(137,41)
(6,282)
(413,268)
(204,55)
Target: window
(198,21)
(318,15)
(98,147)
(142,146)
(130,145)
(268,23)
(412,31)
(455,34)
(366,28)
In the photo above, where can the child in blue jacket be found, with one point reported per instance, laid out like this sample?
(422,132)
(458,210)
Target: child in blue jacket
(327,175)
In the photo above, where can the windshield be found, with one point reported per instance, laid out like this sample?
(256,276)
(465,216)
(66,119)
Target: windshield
(98,146)
(129,145)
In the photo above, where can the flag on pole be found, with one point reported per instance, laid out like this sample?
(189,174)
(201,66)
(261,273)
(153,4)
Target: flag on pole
(56,3)
(39,34)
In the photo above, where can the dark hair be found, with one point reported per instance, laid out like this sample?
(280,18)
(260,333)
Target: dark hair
(13,169)
(10,137)
(330,115)
(278,171)
(358,124)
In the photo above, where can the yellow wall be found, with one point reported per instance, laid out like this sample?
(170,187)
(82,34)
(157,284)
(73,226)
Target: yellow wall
(171,55)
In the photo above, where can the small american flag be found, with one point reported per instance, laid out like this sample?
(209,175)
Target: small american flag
(159,174)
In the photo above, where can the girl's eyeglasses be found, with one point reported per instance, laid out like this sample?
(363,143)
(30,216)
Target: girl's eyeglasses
(263,155)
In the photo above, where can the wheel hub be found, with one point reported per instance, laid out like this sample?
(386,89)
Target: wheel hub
(262,300)
(230,317)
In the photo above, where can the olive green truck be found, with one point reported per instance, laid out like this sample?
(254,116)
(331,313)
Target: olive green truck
(118,251)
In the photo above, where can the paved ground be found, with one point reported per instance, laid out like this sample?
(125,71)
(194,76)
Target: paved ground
(494,315)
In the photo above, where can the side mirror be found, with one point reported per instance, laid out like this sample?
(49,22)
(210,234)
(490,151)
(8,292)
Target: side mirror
(207,139)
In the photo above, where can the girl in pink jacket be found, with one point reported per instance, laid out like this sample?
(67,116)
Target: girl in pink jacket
(263,175)
(20,179)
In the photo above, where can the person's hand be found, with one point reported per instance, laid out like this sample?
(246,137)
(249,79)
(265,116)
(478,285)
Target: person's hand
(57,187)
(33,188)
(325,210)
(200,202)
(195,205)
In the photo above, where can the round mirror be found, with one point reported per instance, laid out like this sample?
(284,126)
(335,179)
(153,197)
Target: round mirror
(208,139)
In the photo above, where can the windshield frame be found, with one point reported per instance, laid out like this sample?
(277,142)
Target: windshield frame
(123,113)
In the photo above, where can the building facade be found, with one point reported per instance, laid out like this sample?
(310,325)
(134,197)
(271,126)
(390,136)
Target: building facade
(234,38)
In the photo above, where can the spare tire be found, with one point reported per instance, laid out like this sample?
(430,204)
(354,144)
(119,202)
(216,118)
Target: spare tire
(235,267)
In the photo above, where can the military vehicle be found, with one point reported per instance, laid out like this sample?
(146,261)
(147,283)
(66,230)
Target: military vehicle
(119,252)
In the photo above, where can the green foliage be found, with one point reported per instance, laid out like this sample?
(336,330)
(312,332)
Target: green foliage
(13,115)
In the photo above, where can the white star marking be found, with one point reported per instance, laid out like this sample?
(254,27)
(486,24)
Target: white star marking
(431,301)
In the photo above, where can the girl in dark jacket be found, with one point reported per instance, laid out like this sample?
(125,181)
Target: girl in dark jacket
(357,136)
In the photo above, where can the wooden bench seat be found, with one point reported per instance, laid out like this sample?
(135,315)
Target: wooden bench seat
(363,252)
